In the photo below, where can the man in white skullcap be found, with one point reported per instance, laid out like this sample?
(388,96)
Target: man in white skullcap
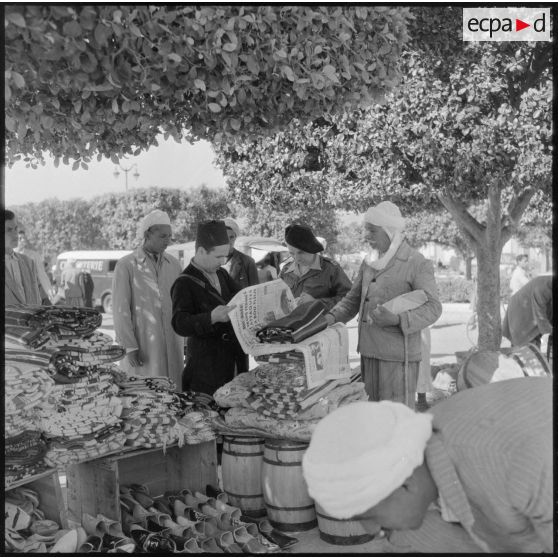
(142,306)
(474,474)
(389,343)
(241,267)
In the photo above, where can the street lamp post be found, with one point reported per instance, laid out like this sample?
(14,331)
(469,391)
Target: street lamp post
(125,170)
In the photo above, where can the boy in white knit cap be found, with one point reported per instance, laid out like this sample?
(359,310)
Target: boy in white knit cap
(389,344)
(472,475)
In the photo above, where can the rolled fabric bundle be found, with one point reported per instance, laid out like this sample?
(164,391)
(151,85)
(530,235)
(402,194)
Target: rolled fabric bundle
(281,374)
(58,320)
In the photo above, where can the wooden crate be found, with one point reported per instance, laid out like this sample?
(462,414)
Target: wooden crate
(47,486)
(93,487)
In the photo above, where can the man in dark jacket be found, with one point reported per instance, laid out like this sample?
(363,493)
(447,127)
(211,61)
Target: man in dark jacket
(199,312)
(241,268)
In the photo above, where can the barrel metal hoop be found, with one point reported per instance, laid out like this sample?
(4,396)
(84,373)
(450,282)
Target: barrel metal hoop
(282,463)
(282,448)
(248,443)
(283,508)
(238,454)
(234,495)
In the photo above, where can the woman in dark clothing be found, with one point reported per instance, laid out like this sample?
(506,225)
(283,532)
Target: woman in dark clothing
(200,296)
(309,275)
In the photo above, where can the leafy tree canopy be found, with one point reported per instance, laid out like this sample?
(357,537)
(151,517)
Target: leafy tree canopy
(105,80)
(110,221)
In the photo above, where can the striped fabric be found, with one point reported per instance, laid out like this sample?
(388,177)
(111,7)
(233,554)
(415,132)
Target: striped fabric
(491,458)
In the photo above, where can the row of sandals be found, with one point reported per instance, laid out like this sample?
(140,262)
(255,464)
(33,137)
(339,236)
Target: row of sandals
(182,522)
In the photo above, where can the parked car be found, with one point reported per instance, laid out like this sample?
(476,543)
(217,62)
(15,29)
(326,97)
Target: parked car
(101,264)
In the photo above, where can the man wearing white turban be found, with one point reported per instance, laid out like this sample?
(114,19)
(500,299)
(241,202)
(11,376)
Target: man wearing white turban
(474,474)
(142,306)
(389,343)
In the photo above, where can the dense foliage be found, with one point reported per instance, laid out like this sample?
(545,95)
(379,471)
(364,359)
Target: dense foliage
(471,129)
(106,79)
(110,221)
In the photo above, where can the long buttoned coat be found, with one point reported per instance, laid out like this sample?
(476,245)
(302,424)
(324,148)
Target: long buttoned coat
(142,311)
(212,350)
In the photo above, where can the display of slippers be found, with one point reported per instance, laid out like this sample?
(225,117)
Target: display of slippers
(217,493)
(276,537)
(91,544)
(111,544)
(67,543)
(228,544)
(151,542)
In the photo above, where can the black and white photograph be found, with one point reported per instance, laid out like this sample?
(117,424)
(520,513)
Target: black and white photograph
(278,278)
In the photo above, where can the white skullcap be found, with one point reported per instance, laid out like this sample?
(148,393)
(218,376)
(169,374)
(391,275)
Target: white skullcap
(232,224)
(361,453)
(387,216)
(155,217)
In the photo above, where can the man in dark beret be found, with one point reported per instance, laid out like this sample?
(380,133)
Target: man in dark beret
(309,275)
(200,312)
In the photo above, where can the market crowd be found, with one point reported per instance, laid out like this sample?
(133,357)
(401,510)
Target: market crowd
(474,472)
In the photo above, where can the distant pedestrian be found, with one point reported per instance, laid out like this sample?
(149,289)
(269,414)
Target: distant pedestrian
(520,275)
(142,307)
(241,267)
(25,247)
(70,289)
(21,281)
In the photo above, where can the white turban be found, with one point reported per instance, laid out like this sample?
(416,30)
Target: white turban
(361,453)
(231,224)
(156,217)
(387,216)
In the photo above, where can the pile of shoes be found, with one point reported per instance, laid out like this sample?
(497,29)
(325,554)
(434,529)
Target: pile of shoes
(196,423)
(25,448)
(24,456)
(81,420)
(26,529)
(192,522)
(272,400)
(150,411)
(155,415)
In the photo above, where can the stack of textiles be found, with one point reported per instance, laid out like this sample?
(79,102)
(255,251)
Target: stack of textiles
(59,321)
(273,401)
(155,415)
(24,456)
(82,420)
(25,448)
(149,410)
(199,410)
(79,419)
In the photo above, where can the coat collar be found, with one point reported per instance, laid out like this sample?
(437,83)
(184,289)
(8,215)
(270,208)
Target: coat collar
(141,255)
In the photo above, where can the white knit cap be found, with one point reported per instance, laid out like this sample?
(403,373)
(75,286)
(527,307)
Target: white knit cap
(361,453)
(232,224)
(387,216)
(155,217)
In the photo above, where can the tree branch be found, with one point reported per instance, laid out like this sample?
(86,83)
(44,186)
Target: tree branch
(465,220)
(516,208)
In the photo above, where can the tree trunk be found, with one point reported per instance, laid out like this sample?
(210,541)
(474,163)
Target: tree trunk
(489,252)
(468,267)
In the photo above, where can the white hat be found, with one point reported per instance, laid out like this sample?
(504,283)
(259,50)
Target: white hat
(232,224)
(387,216)
(361,453)
(155,217)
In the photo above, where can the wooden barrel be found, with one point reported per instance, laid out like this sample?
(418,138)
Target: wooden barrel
(241,469)
(341,531)
(289,506)
(485,367)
